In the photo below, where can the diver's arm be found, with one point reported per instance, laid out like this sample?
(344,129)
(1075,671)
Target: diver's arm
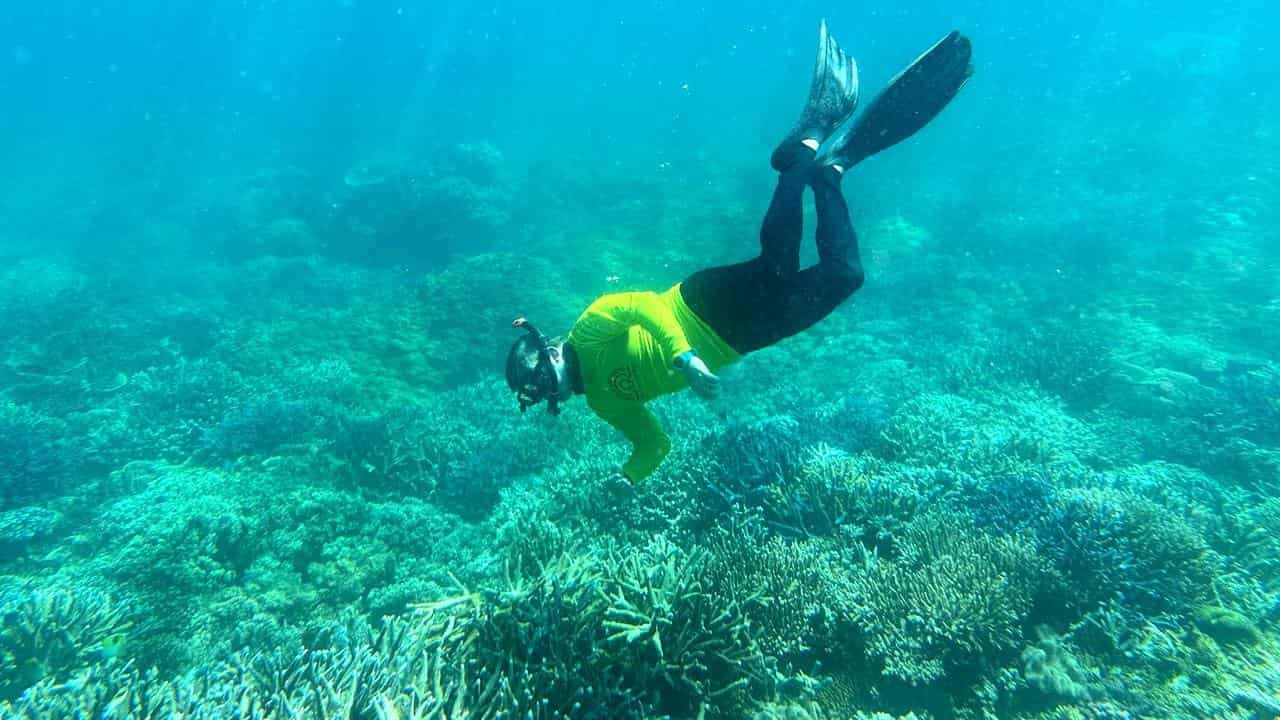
(613,315)
(650,441)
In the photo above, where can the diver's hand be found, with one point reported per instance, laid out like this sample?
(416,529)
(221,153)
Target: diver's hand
(701,379)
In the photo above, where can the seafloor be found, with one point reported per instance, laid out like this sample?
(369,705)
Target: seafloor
(257,459)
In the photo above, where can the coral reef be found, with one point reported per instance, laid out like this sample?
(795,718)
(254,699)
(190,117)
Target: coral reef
(1029,473)
(47,636)
(24,526)
(790,593)
(953,600)
(1111,544)
(34,461)
(1053,669)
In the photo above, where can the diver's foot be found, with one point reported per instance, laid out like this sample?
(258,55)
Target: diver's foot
(826,175)
(794,156)
(906,105)
(833,96)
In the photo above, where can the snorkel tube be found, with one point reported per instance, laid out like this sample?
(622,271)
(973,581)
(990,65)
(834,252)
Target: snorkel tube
(547,384)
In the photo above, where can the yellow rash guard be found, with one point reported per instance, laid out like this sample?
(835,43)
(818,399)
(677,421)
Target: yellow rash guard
(626,344)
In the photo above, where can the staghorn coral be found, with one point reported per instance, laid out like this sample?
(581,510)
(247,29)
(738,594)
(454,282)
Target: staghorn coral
(1113,544)
(989,440)
(786,589)
(188,541)
(261,427)
(815,711)
(478,287)
(1065,356)
(48,635)
(1252,408)
(1256,542)
(852,422)
(519,653)
(752,456)
(598,633)
(1011,503)
(160,412)
(110,691)
(955,598)
(695,649)
(457,449)
(1107,541)
(408,669)
(832,491)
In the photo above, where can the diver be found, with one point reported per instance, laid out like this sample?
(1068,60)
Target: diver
(629,348)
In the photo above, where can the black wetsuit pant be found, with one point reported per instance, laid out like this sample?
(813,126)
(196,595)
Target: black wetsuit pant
(756,303)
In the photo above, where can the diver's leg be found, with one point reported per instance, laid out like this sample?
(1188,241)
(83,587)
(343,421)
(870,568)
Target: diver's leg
(783,225)
(822,288)
(753,305)
(838,251)
(732,299)
(810,295)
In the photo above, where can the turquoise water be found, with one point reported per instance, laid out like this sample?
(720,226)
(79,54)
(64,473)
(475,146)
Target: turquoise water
(258,459)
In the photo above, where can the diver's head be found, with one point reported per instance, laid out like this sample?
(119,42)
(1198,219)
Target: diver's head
(537,369)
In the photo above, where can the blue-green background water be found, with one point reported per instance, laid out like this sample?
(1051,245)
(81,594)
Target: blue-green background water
(259,266)
(143,95)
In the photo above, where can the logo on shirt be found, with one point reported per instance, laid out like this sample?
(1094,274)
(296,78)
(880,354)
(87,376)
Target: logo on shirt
(622,382)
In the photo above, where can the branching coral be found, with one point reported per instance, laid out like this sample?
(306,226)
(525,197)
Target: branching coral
(49,635)
(852,423)
(1111,543)
(34,463)
(1107,542)
(543,628)
(1253,401)
(261,426)
(752,456)
(1257,544)
(969,436)
(786,590)
(1068,358)
(21,527)
(478,287)
(831,491)
(954,598)
(598,633)
(678,635)
(407,670)
(456,450)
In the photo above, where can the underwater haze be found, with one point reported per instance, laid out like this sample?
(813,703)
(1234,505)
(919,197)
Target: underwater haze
(258,458)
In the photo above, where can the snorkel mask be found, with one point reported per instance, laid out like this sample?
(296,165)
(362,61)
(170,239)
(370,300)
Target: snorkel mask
(543,383)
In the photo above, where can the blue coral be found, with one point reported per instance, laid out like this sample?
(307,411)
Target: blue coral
(751,456)
(262,426)
(35,463)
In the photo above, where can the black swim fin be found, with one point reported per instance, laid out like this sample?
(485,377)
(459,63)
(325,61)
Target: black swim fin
(906,105)
(833,96)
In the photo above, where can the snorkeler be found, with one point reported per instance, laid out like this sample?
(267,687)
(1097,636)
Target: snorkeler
(629,348)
